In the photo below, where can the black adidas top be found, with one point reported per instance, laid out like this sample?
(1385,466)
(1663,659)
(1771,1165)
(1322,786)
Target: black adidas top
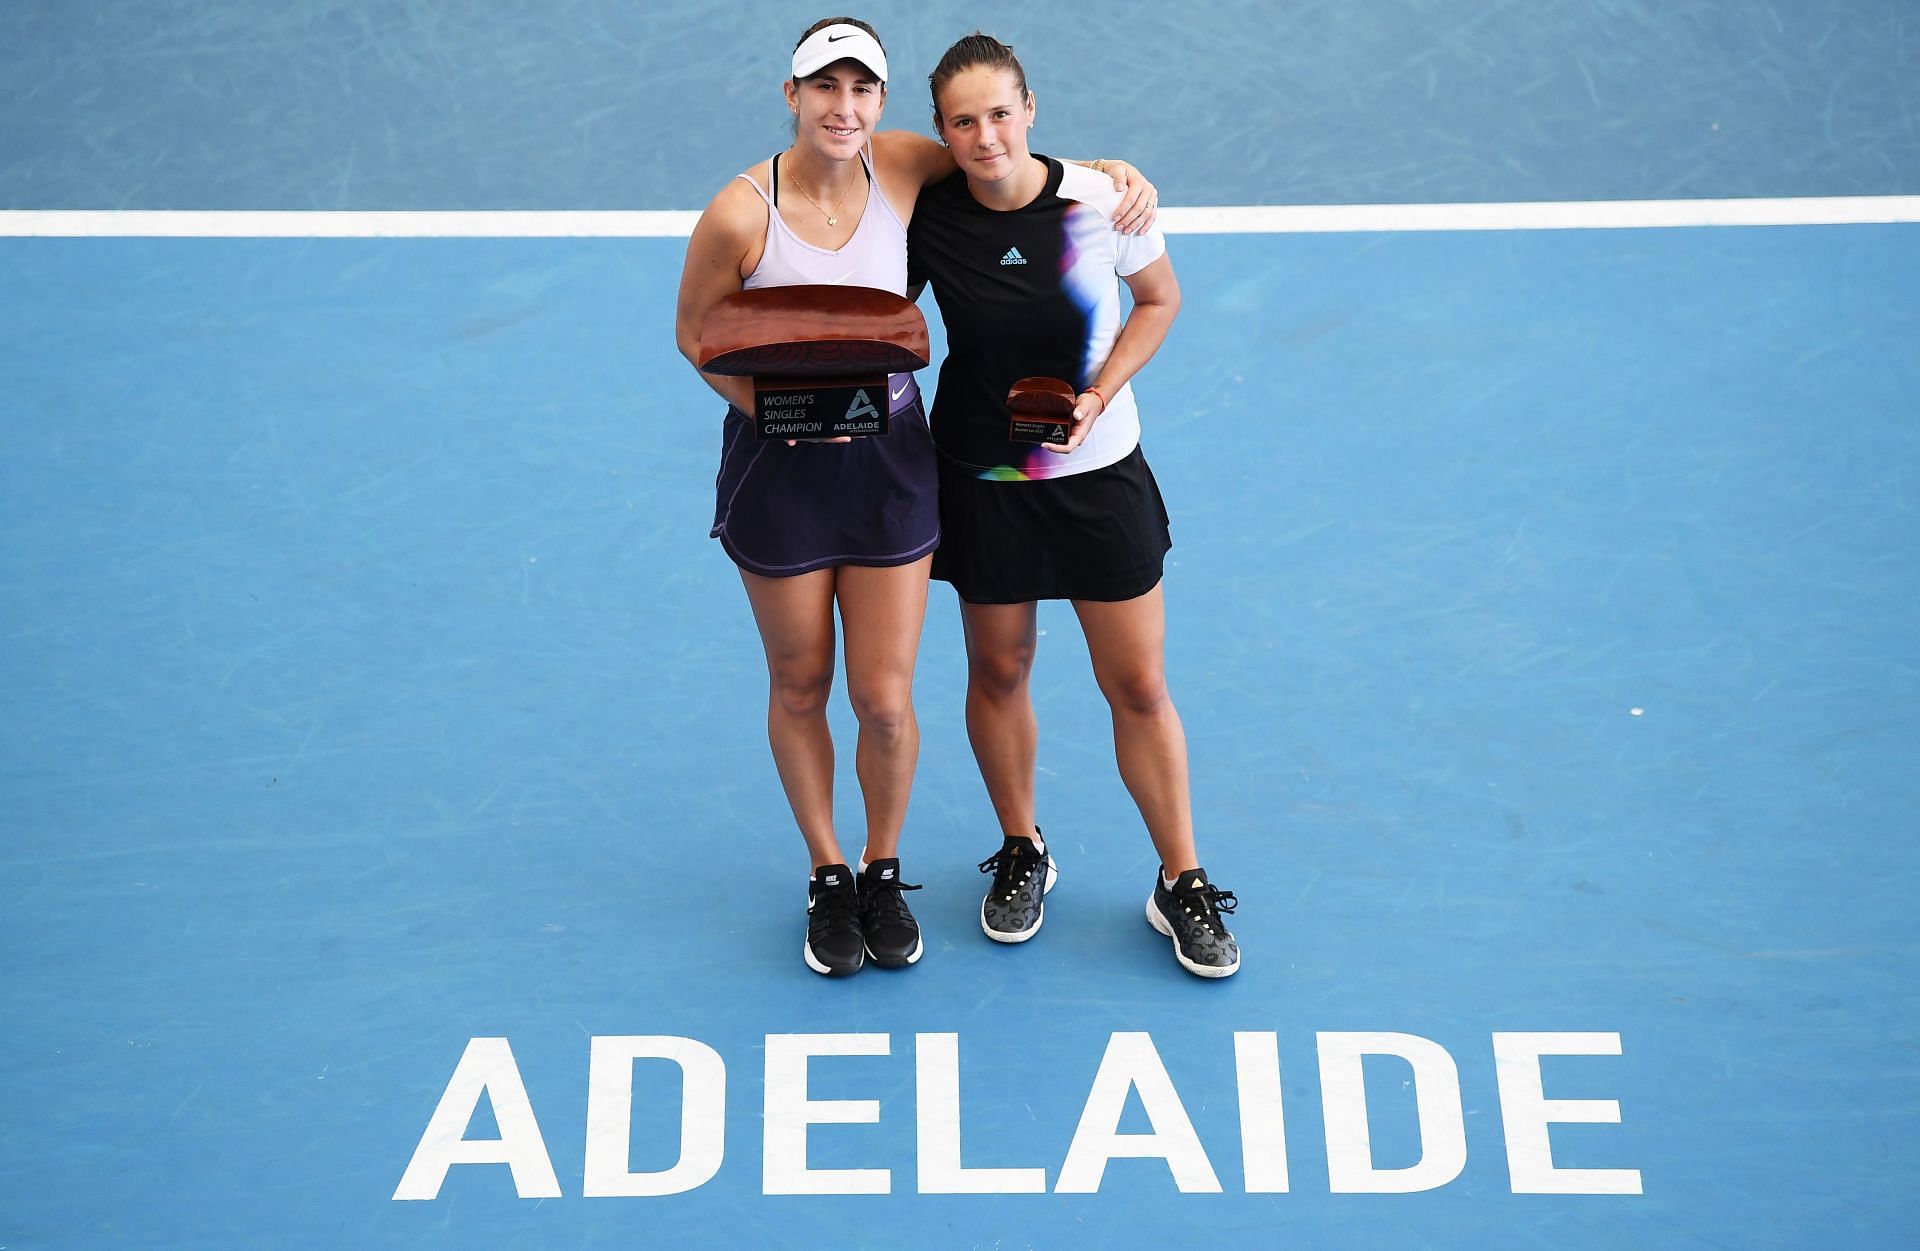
(1034,290)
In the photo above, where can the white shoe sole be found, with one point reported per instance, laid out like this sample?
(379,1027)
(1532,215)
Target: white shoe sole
(1159,922)
(919,949)
(1001,936)
(806,953)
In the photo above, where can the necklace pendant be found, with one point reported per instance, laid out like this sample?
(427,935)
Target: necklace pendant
(832,222)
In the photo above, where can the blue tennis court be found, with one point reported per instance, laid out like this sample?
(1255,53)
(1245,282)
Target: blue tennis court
(392,853)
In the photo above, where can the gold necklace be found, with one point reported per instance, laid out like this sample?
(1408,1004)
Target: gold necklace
(833,218)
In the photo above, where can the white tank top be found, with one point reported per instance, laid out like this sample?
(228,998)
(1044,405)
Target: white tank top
(876,255)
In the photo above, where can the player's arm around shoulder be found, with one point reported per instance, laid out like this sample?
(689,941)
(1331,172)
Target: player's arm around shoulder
(1117,189)
(907,162)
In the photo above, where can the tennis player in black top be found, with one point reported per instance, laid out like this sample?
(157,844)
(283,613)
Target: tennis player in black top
(1025,263)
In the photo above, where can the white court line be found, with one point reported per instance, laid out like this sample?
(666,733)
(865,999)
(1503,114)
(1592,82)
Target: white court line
(370,224)
(1228,219)
(1570,215)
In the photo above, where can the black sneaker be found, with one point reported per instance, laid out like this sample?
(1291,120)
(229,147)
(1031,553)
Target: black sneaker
(835,945)
(1189,914)
(893,936)
(1016,902)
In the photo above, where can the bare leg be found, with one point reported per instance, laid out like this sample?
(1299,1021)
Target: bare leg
(1127,642)
(882,611)
(795,616)
(1001,641)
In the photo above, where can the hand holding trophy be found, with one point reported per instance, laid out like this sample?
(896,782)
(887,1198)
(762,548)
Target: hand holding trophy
(1042,410)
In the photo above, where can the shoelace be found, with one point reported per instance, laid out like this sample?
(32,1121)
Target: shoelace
(1211,900)
(836,910)
(887,904)
(1002,864)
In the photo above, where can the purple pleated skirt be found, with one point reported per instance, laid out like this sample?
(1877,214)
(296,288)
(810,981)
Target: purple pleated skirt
(781,511)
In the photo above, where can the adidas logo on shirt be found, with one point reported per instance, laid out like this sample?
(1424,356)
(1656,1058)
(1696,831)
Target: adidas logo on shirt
(1013,257)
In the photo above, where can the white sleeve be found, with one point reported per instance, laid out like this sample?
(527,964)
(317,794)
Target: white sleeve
(1133,253)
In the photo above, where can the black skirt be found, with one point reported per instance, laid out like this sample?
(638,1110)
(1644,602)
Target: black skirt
(1099,535)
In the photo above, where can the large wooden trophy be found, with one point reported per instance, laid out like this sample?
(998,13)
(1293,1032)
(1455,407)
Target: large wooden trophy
(819,356)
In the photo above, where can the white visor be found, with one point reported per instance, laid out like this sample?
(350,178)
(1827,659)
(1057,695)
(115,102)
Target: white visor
(839,42)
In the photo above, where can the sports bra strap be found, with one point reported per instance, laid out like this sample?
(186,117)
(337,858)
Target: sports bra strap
(773,200)
(758,189)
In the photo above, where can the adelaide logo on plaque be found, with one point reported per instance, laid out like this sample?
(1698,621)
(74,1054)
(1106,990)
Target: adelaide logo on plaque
(818,355)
